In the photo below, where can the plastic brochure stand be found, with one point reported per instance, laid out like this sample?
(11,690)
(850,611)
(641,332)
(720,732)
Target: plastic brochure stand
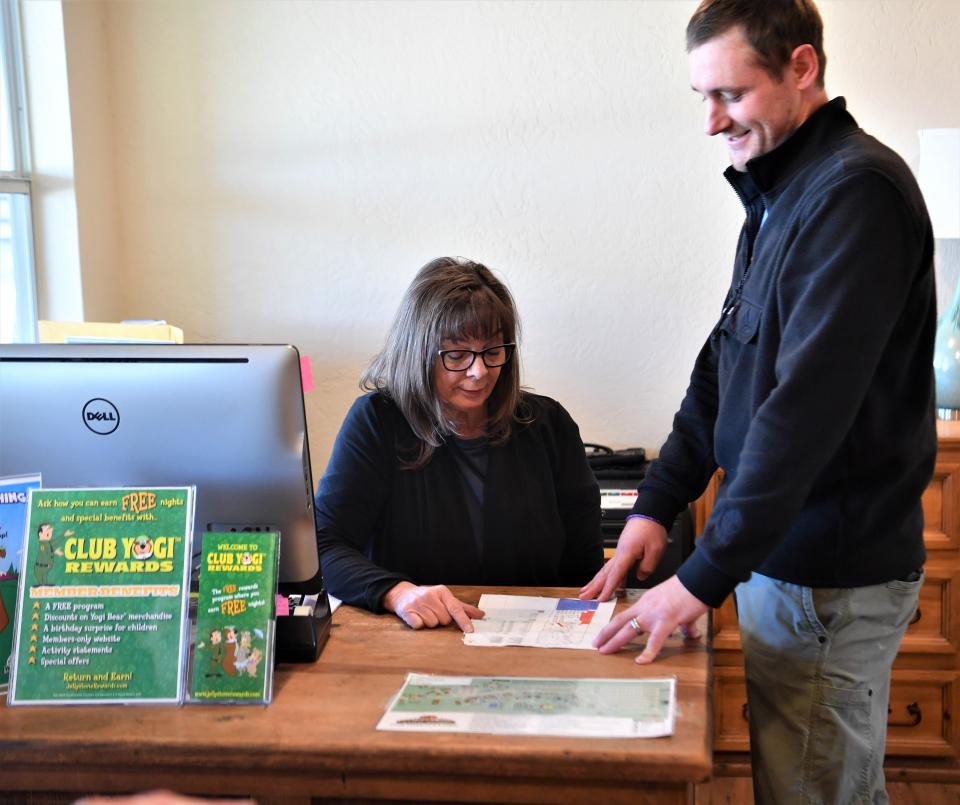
(233,647)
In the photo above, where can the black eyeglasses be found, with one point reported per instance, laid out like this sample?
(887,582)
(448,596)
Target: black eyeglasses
(459,360)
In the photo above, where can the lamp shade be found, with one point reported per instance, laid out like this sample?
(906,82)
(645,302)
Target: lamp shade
(939,177)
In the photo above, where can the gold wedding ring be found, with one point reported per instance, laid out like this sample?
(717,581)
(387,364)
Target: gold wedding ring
(635,626)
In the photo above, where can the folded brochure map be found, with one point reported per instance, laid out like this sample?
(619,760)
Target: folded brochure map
(596,708)
(527,620)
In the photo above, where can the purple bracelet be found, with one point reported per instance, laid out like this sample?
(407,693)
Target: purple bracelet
(646,517)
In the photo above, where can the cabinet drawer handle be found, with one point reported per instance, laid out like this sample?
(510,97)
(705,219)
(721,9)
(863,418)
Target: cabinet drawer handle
(916,617)
(745,712)
(913,710)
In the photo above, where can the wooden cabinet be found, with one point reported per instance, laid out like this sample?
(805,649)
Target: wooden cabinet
(925,685)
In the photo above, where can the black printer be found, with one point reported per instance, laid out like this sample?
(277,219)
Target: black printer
(619,472)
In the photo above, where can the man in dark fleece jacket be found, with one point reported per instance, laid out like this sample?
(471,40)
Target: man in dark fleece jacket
(814,395)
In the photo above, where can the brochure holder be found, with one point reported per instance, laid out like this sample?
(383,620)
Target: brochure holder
(102,613)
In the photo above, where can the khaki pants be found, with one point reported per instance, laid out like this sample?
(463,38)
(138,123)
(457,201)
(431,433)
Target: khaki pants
(817,664)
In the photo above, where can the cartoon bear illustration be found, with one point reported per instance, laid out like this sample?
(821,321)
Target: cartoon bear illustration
(230,650)
(253,661)
(142,547)
(242,656)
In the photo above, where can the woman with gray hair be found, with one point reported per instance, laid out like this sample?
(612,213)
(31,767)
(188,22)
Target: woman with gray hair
(446,471)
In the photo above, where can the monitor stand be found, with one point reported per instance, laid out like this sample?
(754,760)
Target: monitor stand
(302,633)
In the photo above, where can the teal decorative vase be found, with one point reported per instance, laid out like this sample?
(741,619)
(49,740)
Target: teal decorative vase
(946,361)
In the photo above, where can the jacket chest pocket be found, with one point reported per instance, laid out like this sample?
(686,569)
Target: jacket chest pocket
(741,322)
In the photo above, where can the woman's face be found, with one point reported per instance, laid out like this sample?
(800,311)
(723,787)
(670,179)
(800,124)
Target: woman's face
(465,393)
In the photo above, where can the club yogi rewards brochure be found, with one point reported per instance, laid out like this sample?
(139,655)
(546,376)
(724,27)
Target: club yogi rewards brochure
(14,496)
(233,648)
(103,597)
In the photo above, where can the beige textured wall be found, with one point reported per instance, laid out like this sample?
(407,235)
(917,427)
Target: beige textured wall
(277,171)
(91,74)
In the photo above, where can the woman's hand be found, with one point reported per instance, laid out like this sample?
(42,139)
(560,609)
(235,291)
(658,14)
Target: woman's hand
(429,606)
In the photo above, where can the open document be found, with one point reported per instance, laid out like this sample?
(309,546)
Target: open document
(588,708)
(526,620)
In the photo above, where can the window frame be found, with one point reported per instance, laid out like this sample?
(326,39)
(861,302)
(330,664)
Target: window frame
(17,182)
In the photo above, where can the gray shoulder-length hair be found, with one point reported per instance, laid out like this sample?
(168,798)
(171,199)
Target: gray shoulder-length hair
(449,299)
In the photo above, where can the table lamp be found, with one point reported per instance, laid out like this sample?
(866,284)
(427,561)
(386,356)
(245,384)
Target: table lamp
(939,176)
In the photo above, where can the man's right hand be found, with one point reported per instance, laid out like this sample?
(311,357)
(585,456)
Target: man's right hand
(429,606)
(641,540)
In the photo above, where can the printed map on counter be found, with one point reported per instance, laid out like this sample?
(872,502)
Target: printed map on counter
(599,708)
(524,620)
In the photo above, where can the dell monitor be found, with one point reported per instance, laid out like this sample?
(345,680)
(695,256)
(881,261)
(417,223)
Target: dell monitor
(228,419)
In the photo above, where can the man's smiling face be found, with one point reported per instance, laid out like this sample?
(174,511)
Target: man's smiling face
(753,111)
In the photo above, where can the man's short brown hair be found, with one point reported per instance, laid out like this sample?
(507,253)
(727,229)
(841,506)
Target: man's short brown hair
(774,29)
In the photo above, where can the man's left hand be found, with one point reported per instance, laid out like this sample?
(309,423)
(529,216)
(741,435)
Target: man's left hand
(658,613)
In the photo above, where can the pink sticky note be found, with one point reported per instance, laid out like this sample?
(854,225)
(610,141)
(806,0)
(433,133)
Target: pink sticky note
(283,605)
(306,373)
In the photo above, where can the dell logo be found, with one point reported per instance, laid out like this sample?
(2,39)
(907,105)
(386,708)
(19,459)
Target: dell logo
(101,416)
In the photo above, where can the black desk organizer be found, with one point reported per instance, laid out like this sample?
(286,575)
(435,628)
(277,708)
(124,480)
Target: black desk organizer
(300,638)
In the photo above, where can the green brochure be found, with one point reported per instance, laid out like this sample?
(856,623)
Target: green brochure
(233,647)
(14,496)
(102,605)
